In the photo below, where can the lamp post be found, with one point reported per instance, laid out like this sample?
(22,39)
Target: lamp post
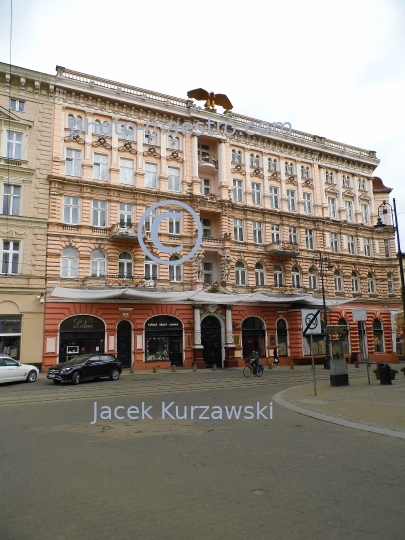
(324,264)
(380,227)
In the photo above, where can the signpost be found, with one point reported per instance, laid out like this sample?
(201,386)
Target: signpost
(311,322)
(360,316)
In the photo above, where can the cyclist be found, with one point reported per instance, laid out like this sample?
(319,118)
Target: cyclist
(254,361)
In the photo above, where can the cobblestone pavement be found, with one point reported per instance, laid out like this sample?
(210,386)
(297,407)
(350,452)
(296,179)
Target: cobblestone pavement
(292,477)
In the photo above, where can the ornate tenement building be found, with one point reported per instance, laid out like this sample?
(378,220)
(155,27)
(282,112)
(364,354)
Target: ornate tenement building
(26,127)
(268,205)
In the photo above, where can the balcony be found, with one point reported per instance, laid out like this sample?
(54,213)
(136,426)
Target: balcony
(283,249)
(125,231)
(124,280)
(210,241)
(207,162)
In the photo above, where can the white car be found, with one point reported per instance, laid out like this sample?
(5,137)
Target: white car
(13,370)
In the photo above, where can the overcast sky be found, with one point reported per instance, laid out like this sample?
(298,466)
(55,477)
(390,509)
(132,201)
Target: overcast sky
(335,69)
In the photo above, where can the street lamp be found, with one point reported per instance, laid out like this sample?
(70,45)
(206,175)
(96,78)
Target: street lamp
(324,264)
(380,227)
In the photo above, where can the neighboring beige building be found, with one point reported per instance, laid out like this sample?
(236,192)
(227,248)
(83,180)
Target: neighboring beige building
(26,124)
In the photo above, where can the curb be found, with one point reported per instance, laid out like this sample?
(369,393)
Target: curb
(278,398)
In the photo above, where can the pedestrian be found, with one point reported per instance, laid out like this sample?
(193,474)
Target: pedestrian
(275,354)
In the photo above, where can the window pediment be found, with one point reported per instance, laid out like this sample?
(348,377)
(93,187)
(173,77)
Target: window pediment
(348,193)
(13,120)
(331,189)
(364,197)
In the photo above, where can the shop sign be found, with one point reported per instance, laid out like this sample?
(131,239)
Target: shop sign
(10,324)
(82,323)
(162,322)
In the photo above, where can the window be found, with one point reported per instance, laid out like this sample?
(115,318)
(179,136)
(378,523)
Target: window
(126,214)
(151,269)
(237,191)
(236,156)
(337,277)
(257,232)
(367,247)
(334,242)
(289,168)
(365,214)
(207,231)
(351,245)
(307,203)
(254,160)
(240,273)
(329,177)
(305,172)
(98,263)
(100,167)
(292,235)
(282,338)
(275,234)
(291,200)
(295,277)
(174,179)
(349,210)
(272,164)
(126,171)
(309,239)
(204,153)
(378,336)
(10,259)
(73,162)
(97,127)
(278,276)
(346,181)
(256,193)
(332,207)
(150,175)
(17,105)
(259,274)
(173,143)
(371,284)
(99,213)
(387,250)
(253,337)
(11,199)
(69,264)
(390,284)
(274,197)
(75,124)
(150,137)
(312,278)
(71,210)
(14,145)
(362,184)
(150,219)
(127,133)
(207,272)
(238,230)
(355,283)
(174,270)
(175,224)
(205,186)
(125,266)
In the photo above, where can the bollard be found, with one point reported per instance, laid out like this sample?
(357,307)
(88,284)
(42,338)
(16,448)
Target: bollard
(292,366)
(356,365)
(173,369)
(271,367)
(214,367)
(154,370)
(195,367)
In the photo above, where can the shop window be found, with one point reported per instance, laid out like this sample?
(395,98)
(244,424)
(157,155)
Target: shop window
(345,337)
(164,340)
(10,335)
(282,337)
(81,334)
(253,337)
(378,336)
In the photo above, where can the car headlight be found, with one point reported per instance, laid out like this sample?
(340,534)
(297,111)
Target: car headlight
(66,370)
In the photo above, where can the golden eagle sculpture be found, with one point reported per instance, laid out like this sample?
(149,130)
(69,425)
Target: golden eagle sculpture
(210,98)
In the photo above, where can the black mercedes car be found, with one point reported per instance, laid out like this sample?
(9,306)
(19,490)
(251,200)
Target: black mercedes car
(86,366)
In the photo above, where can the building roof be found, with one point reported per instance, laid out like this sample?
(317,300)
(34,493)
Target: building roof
(379,187)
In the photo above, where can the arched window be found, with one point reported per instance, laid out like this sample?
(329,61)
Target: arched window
(98,263)
(312,278)
(253,337)
(254,160)
(295,277)
(151,137)
(125,266)
(127,132)
(289,168)
(272,164)
(371,283)
(338,281)
(259,274)
(282,338)
(97,127)
(150,269)
(70,121)
(240,273)
(173,142)
(174,270)
(278,276)
(345,337)
(304,171)
(236,156)
(69,264)
(355,283)
(390,284)
(378,336)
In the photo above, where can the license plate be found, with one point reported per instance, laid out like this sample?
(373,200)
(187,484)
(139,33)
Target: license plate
(51,376)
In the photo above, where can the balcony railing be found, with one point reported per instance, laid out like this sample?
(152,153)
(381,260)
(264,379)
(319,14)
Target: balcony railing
(205,159)
(128,280)
(285,249)
(212,240)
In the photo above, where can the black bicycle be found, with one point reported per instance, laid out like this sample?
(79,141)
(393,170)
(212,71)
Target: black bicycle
(249,370)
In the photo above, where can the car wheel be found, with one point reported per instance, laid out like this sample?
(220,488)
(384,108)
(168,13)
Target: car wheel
(56,382)
(76,378)
(32,376)
(115,374)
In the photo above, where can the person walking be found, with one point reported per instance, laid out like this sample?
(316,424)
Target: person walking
(276,359)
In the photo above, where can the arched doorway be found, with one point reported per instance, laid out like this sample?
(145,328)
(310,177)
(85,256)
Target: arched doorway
(124,343)
(211,340)
(164,340)
(80,334)
(253,337)
(282,338)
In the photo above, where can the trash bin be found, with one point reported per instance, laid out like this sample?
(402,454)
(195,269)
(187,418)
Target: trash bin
(385,373)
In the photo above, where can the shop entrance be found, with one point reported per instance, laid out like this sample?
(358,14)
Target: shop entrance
(164,340)
(211,340)
(80,334)
(124,343)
